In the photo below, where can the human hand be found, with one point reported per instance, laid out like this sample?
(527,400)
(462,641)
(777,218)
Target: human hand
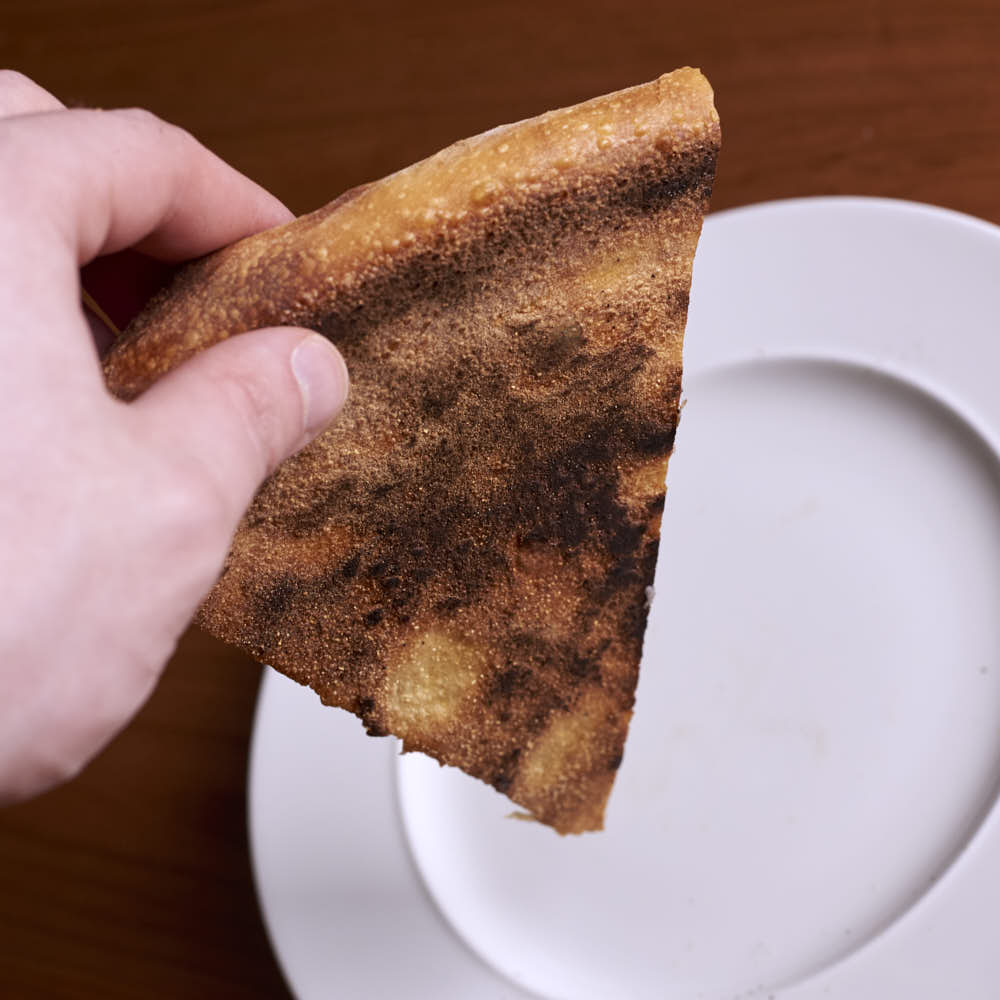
(115,519)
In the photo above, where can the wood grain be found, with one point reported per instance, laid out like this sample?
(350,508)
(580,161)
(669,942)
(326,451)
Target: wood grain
(134,879)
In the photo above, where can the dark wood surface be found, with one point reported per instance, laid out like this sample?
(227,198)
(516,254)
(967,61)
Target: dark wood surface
(134,880)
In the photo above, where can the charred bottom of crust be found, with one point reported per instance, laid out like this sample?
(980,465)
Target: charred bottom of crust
(483,483)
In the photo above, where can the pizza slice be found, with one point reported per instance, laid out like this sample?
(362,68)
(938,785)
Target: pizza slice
(463,559)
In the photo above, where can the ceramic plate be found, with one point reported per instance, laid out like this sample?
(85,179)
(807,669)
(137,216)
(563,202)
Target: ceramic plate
(806,806)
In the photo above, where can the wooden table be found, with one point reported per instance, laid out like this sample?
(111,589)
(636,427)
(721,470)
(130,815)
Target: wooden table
(134,880)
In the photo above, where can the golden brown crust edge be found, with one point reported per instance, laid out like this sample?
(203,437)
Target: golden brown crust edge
(359,234)
(633,183)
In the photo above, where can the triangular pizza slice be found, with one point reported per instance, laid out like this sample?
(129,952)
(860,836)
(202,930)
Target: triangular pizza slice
(463,559)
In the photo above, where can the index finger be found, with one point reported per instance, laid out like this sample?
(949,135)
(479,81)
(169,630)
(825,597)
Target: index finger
(100,181)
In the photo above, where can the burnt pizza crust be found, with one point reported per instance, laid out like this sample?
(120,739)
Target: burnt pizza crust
(462,560)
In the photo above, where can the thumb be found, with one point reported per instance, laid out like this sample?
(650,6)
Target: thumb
(238,409)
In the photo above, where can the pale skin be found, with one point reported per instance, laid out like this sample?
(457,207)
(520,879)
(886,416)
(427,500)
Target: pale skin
(115,519)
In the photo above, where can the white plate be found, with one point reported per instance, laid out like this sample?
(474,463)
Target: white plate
(805,808)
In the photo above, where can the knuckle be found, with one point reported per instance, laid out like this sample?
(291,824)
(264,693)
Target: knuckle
(19,94)
(195,504)
(194,519)
(260,416)
(19,181)
(143,118)
(13,80)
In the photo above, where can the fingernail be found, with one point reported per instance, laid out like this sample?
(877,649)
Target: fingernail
(322,376)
